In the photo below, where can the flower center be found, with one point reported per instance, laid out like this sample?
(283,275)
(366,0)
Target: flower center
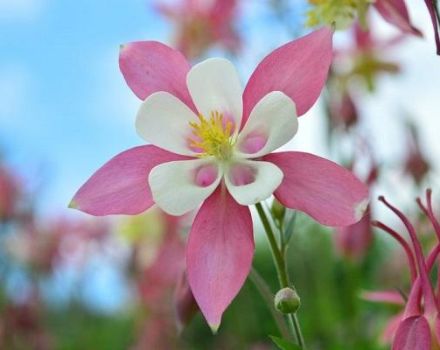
(213,136)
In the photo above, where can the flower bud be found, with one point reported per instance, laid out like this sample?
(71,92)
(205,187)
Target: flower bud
(278,210)
(287,301)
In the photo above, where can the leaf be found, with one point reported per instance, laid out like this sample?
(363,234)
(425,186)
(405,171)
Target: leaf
(288,231)
(284,344)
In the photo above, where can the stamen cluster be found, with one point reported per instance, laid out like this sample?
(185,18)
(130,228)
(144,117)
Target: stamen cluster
(213,136)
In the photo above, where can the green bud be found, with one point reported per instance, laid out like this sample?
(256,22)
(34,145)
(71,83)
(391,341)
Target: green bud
(287,301)
(278,210)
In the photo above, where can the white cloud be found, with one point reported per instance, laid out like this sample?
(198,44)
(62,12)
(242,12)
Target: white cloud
(20,10)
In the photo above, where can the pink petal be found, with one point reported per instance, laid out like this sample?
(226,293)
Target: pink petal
(184,302)
(395,12)
(299,69)
(413,334)
(326,191)
(384,296)
(391,327)
(121,186)
(219,254)
(354,241)
(150,66)
(435,22)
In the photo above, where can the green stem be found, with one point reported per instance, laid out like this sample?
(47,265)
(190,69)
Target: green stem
(267,295)
(280,264)
(279,261)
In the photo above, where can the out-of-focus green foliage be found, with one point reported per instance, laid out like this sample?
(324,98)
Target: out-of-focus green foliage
(340,13)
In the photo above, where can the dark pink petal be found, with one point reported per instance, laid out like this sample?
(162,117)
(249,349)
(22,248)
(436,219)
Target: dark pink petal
(391,327)
(354,241)
(121,185)
(435,22)
(219,253)
(413,334)
(184,302)
(326,191)
(150,66)
(298,68)
(395,12)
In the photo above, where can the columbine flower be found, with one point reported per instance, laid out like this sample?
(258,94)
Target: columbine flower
(417,327)
(201,23)
(211,148)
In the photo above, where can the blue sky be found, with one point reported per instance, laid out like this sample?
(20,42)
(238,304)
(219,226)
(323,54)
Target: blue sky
(65,108)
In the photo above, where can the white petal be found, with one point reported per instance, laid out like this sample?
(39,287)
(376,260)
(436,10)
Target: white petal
(271,124)
(214,85)
(250,182)
(181,186)
(163,120)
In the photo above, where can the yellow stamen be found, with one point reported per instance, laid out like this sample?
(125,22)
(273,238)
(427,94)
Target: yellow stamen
(213,136)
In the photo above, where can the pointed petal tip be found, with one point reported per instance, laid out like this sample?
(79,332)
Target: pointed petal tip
(214,327)
(73,204)
(361,208)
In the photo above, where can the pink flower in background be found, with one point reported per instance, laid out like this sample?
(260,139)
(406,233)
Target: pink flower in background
(159,267)
(432,6)
(396,13)
(417,327)
(416,164)
(202,23)
(354,241)
(9,194)
(211,150)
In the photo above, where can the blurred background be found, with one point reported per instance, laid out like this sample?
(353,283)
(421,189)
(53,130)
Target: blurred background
(71,281)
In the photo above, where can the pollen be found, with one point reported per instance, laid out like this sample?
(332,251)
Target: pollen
(213,136)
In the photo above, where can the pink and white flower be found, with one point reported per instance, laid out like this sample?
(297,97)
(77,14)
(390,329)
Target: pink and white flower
(211,150)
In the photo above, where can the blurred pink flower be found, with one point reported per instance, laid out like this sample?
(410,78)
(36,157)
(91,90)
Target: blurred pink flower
(9,194)
(157,283)
(418,326)
(368,55)
(432,6)
(22,326)
(396,13)
(342,110)
(44,247)
(353,241)
(202,23)
(212,145)
(416,164)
